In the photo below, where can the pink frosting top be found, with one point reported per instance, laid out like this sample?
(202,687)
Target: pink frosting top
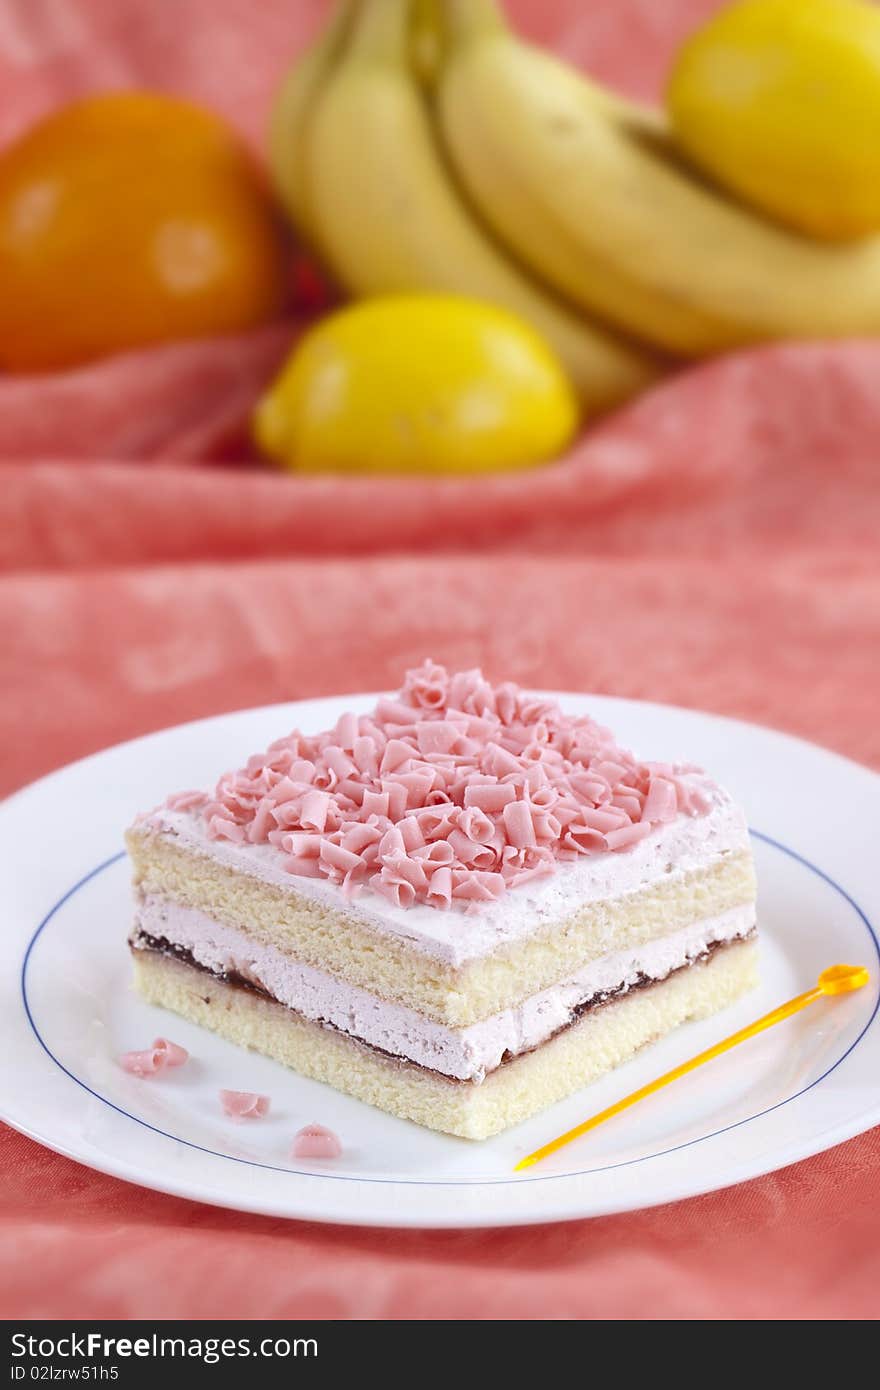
(448,794)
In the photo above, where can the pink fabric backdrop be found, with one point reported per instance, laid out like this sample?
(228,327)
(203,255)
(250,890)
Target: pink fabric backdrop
(714,544)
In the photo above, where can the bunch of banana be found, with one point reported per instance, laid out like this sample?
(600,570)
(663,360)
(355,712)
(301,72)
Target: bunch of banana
(487,167)
(356,159)
(620,227)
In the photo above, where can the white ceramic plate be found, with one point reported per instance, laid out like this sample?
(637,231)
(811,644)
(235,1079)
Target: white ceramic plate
(68,1011)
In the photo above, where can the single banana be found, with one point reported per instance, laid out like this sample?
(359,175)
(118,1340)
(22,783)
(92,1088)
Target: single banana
(425,40)
(290,110)
(388,218)
(615,223)
(635,117)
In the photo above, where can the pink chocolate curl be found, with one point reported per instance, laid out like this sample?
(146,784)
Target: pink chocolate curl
(162,1055)
(145,1063)
(314,1141)
(173,1054)
(244,1105)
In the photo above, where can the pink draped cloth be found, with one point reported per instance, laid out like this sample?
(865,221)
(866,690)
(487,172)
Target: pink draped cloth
(713,544)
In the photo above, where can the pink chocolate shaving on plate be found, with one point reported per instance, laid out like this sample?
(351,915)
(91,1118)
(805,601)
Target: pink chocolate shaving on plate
(150,1060)
(172,1053)
(314,1141)
(449,793)
(244,1105)
(144,1063)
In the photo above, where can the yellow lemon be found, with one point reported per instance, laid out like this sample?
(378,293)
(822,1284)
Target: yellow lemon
(780,101)
(417,384)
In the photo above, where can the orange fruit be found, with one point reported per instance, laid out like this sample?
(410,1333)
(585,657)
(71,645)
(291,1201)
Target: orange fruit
(131,218)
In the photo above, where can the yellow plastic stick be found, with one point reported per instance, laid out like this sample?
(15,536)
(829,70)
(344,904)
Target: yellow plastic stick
(837,979)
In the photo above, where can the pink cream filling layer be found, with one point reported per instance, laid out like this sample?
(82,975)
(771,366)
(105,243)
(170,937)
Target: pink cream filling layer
(448,794)
(466,1054)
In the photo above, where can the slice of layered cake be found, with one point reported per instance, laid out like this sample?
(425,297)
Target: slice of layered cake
(459,908)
